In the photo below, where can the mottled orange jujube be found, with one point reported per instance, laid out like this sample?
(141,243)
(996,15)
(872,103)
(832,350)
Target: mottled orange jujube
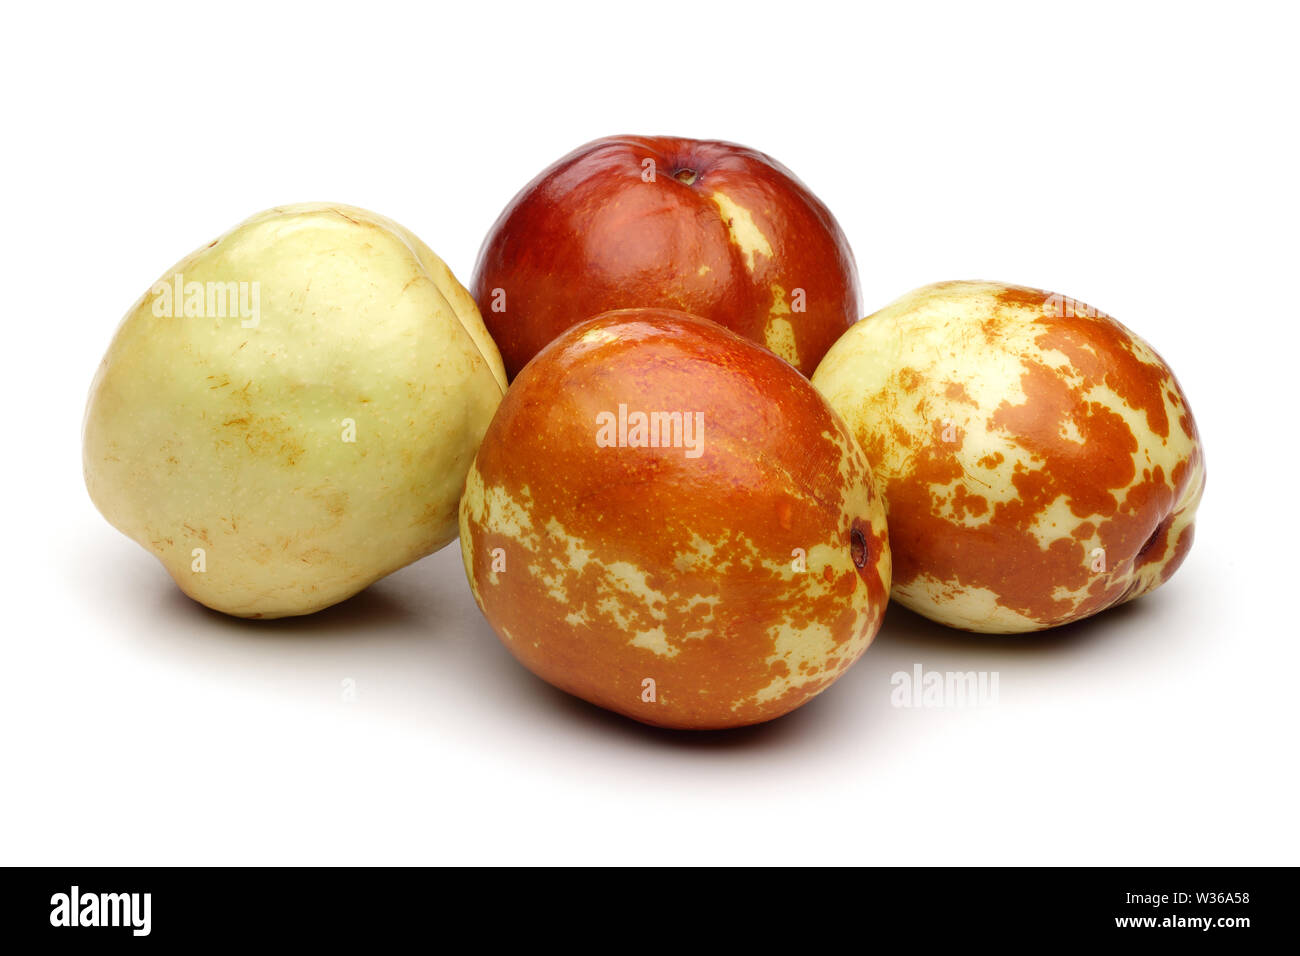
(1039,461)
(704,586)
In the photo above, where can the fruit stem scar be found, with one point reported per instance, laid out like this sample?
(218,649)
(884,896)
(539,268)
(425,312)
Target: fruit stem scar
(687,176)
(858,547)
(1146,545)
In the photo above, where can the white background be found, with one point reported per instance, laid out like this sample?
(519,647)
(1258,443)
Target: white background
(1143,159)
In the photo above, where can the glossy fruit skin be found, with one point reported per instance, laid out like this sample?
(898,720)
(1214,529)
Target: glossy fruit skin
(209,436)
(623,564)
(734,244)
(1038,460)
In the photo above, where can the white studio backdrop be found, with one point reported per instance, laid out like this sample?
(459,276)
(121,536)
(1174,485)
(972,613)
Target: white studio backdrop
(1139,157)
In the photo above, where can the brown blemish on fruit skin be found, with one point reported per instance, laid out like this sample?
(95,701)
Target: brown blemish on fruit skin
(1101,350)
(1092,414)
(265,436)
(963,502)
(957,392)
(698,532)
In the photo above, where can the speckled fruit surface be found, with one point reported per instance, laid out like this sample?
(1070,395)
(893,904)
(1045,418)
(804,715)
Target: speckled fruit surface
(1039,462)
(716,581)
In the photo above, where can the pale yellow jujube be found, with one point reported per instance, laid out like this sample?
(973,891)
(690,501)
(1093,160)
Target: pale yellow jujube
(315,437)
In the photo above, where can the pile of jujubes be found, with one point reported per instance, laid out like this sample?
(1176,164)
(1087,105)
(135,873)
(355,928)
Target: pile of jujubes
(686,476)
